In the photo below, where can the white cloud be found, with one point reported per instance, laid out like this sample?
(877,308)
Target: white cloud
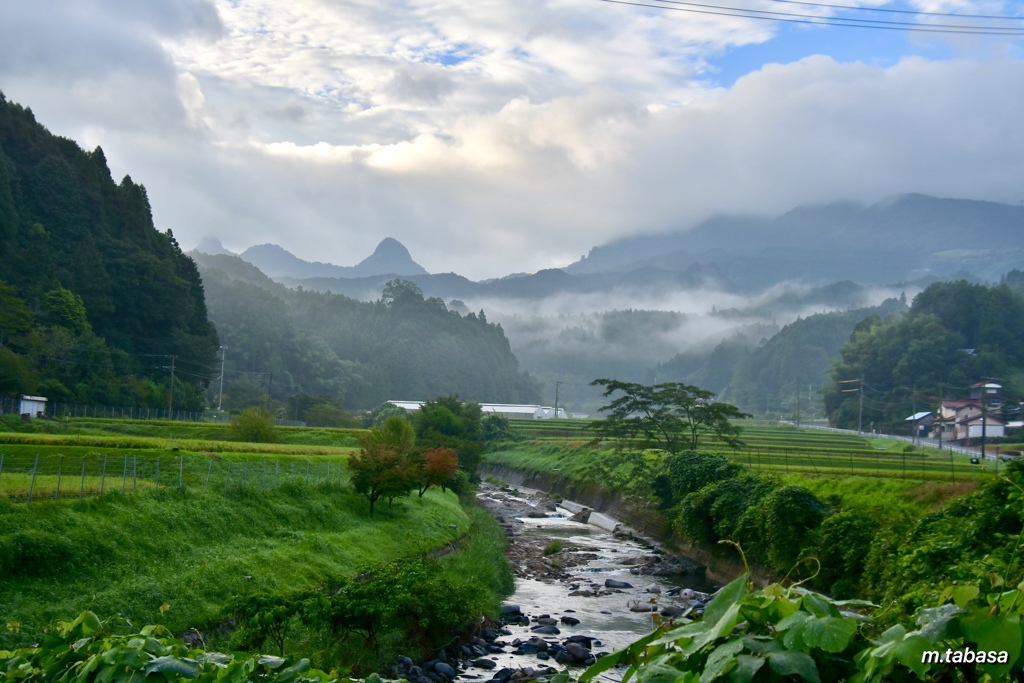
(489,136)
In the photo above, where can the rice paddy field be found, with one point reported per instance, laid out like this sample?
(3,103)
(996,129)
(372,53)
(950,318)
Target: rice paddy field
(784,449)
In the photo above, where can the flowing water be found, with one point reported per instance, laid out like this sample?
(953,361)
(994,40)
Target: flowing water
(604,614)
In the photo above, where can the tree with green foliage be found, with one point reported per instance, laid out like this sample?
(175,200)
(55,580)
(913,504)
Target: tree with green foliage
(255,425)
(955,334)
(673,417)
(386,466)
(447,422)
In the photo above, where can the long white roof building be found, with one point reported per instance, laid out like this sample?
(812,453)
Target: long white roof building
(513,411)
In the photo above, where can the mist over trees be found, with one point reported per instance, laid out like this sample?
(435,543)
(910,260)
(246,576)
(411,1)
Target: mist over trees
(95,299)
(355,354)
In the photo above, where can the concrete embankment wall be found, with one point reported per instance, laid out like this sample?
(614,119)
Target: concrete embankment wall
(641,515)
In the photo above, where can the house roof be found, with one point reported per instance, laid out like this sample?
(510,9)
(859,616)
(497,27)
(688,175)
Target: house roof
(918,416)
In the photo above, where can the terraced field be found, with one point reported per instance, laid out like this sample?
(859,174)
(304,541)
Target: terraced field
(784,448)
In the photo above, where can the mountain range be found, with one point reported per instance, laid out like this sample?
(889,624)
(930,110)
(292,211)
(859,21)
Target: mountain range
(906,238)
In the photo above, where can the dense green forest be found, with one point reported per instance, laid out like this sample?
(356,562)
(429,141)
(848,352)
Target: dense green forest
(768,377)
(352,353)
(955,334)
(94,301)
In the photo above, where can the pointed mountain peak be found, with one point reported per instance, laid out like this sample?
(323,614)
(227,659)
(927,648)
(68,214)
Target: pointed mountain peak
(389,258)
(211,245)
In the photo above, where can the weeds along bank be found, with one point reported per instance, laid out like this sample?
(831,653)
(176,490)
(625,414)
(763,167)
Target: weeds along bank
(899,542)
(182,557)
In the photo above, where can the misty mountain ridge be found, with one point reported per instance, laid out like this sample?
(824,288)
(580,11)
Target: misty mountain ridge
(389,258)
(905,237)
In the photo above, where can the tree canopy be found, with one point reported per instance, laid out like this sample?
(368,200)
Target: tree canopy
(106,292)
(955,334)
(672,416)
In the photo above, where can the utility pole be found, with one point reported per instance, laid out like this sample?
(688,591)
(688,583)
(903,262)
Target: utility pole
(220,398)
(942,418)
(860,411)
(913,402)
(798,405)
(170,393)
(984,420)
(557,384)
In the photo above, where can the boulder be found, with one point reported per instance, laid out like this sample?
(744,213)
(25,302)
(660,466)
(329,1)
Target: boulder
(484,663)
(445,670)
(546,630)
(570,621)
(612,583)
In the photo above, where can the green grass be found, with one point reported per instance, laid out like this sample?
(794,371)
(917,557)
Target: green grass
(130,554)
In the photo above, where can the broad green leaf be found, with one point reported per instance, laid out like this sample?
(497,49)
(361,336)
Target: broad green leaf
(182,667)
(658,673)
(746,668)
(89,623)
(720,660)
(999,633)
(962,595)
(218,659)
(794,664)
(909,651)
(934,621)
(817,605)
(830,634)
(723,627)
(726,598)
(270,661)
(892,634)
(632,651)
(862,604)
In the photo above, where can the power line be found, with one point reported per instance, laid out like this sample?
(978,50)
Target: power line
(796,18)
(1001,17)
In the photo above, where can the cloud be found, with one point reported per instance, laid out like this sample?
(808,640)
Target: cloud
(487,136)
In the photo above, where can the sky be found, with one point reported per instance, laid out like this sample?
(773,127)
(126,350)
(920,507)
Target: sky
(501,136)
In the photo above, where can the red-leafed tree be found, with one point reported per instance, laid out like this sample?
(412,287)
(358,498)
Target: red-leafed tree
(439,465)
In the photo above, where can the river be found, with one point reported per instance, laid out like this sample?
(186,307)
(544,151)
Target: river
(570,584)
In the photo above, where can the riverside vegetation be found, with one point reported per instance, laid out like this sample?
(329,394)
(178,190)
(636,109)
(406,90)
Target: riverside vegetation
(300,566)
(912,564)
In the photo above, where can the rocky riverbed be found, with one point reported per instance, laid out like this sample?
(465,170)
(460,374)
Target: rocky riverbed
(582,590)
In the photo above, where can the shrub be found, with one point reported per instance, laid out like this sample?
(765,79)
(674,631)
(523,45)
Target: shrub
(255,425)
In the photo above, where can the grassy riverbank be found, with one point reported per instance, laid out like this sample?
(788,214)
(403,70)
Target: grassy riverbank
(175,556)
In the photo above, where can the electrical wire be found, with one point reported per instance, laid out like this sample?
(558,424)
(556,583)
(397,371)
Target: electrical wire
(789,17)
(887,10)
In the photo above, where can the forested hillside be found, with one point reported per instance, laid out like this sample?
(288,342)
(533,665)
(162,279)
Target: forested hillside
(357,354)
(93,299)
(956,334)
(768,377)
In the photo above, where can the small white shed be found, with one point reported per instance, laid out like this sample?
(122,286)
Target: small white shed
(32,405)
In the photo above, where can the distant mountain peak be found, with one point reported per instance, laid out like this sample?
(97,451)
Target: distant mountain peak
(212,246)
(389,258)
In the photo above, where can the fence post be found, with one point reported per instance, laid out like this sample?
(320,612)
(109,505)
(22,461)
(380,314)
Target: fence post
(103,476)
(157,477)
(135,472)
(277,477)
(245,475)
(263,477)
(181,471)
(1,464)
(209,469)
(124,473)
(81,486)
(227,477)
(307,471)
(32,484)
(60,471)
